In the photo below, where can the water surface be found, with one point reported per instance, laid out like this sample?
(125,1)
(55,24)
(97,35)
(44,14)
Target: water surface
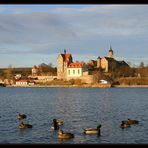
(79,108)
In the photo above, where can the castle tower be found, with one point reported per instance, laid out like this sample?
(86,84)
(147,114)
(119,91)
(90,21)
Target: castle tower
(63,60)
(98,62)
(110,53)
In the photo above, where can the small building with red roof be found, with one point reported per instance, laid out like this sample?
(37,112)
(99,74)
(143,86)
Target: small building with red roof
(75,69)
(21,82)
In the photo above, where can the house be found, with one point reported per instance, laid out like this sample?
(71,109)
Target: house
(22,83)
(75,70)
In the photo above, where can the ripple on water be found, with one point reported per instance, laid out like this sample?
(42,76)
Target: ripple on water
(78,108)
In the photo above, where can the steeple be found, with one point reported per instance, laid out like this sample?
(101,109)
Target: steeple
(110,52)
(64,51)
(111,48)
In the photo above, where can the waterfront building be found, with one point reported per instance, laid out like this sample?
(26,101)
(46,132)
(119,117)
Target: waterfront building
(67,69)
(21,82)
(109,63)
(63,61)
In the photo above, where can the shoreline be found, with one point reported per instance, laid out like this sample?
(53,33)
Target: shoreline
(82,86)
(65,86)
(130,86)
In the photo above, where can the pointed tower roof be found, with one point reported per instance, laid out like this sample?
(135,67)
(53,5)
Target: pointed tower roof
(110,49)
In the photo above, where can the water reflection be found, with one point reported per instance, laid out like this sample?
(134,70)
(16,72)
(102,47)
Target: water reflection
(21,132)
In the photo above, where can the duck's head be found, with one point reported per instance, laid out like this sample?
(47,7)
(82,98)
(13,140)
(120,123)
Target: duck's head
(122,122)
(99,126)
(54,120)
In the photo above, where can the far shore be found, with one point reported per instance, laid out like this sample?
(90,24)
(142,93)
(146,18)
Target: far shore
(131,86)
(84,86)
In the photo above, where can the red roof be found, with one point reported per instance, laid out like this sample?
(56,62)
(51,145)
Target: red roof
(67,55)
(22,81)
(76,65)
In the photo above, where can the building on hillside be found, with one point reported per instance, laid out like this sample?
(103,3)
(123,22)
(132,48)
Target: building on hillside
(92,63)
(63,60)
(108,63)
(35,70)
(22,83)
(67,69)
(76,69)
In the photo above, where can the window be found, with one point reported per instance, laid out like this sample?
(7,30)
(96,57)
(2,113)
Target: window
(73,71)
(69,72)
(78,71)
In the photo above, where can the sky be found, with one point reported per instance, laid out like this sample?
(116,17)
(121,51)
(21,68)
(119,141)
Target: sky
(35,34)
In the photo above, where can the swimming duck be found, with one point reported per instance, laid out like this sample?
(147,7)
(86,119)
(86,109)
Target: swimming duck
(124,124)
(64,135)
(93,130)
(130,121)
(22,126)
(56,123)
(21,116)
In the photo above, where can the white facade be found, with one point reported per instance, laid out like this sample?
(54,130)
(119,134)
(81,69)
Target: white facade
(21,83)
(74,72)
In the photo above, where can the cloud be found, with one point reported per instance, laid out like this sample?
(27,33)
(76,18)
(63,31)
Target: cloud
(87,29)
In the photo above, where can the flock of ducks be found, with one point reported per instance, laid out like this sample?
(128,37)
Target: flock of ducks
(65,135)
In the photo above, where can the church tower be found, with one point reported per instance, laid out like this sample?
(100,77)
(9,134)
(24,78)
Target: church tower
(63,60)
(110,53)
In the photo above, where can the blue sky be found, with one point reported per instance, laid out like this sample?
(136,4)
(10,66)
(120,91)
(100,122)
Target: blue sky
(35,34)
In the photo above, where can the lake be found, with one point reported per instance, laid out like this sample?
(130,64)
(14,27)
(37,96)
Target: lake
(79,108)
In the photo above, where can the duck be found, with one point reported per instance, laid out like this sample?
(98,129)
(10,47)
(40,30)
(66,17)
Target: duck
(93,130)
(56,123)
(124,124)
(23,126)
(130,121)
(21,116)
(64,135)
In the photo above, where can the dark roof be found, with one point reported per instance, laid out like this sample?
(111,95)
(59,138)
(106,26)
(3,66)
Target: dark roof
(109,59)
(110,50)
(122,63)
